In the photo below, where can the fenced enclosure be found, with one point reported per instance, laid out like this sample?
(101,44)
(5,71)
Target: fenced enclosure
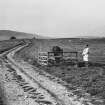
(49,58)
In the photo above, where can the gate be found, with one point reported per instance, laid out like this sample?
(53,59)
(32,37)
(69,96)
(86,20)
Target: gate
(65,57)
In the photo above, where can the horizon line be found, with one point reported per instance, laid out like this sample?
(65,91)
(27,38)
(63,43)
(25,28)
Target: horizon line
(43,35)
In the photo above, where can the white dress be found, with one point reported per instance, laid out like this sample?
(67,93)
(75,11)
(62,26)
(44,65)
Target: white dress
(85,54)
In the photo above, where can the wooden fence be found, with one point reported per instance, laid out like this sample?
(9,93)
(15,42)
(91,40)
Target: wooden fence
(44,57)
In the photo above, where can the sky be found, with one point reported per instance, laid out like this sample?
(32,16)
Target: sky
(57,18)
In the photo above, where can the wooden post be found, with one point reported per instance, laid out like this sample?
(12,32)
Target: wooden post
(76,59)
(43,58)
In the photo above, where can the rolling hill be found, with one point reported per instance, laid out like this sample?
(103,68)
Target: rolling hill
(6,34)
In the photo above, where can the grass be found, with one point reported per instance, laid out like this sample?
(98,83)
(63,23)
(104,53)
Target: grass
(91,79)
(7,44)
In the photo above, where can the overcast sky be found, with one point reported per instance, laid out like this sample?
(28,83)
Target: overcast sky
(59,18)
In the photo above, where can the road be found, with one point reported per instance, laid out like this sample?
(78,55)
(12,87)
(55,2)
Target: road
(39,86)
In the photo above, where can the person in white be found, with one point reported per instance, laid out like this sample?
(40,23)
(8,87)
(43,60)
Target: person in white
(85,55)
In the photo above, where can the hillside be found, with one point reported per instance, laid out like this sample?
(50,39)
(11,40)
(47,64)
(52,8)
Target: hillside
(6,34)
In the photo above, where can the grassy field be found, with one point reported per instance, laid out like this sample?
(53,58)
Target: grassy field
(7,44)
(91,79)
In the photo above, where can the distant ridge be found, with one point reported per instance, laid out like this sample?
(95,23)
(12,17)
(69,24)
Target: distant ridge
(6,34)
(90,37)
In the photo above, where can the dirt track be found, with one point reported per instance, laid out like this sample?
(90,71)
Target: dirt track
(38,86)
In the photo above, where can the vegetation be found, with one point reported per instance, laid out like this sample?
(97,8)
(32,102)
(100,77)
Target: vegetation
(12,37)
(7,44)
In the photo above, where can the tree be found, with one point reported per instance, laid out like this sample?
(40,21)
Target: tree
(12,37)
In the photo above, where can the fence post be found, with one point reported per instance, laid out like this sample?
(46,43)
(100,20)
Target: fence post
(76,65)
